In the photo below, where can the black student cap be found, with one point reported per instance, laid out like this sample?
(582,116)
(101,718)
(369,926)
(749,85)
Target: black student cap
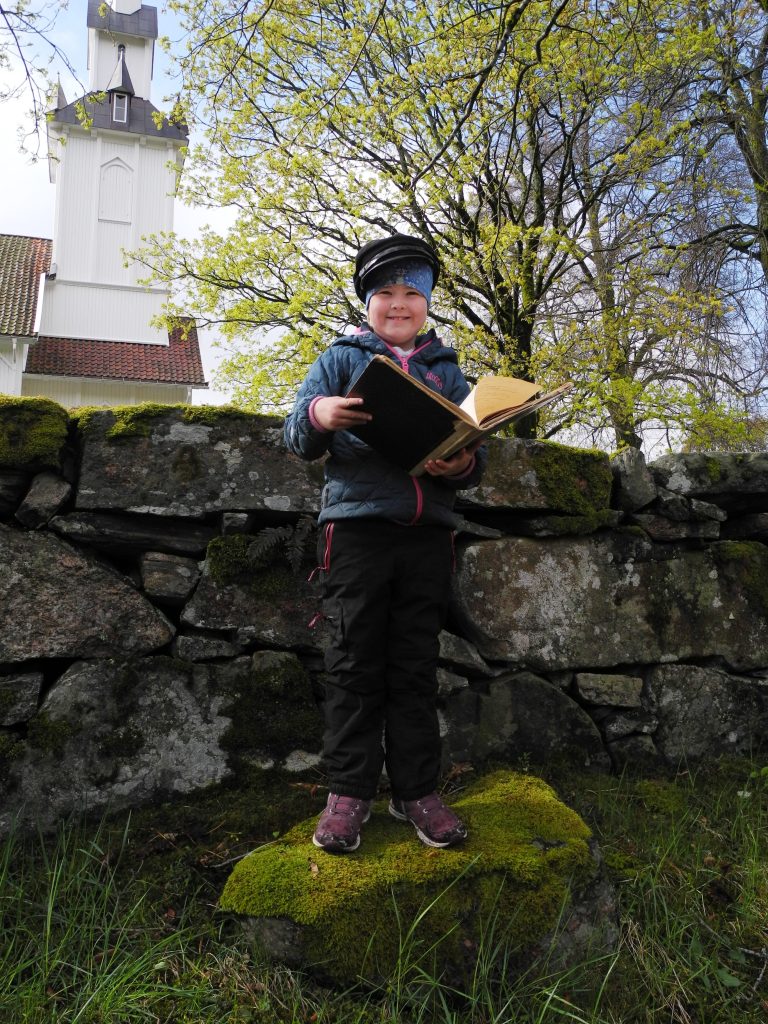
(384,252)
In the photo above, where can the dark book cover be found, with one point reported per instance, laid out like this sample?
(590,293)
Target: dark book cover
(409,421)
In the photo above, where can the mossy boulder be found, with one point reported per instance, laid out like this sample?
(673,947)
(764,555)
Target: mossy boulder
(33,432)
(543,476)
(528,860)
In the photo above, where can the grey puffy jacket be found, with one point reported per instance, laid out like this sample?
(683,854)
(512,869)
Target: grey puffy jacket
(359,483)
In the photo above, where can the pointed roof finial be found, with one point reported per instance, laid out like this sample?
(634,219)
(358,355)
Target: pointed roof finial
(61,99)
(121,80)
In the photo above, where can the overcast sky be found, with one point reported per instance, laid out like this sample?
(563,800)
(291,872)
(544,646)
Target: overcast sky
(27,197)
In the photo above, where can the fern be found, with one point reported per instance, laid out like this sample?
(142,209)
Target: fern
(292,541)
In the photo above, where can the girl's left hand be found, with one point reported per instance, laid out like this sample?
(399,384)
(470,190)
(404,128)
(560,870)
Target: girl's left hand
(455,466)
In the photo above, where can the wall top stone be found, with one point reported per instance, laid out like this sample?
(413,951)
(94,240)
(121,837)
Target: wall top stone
(735,480)
(179,461)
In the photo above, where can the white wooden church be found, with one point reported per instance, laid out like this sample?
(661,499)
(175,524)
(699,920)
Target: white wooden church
(75,323)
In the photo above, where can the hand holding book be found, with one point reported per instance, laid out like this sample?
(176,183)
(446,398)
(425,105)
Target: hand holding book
(412,425)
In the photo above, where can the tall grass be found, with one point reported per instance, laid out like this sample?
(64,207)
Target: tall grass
(75,945)
(87,935)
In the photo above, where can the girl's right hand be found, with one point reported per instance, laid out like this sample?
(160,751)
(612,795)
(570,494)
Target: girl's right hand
(339,413)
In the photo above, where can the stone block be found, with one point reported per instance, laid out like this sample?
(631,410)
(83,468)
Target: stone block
(170,578)
(58,602)
(525,718)
(610,600)
(732,480)
(701,709)
(190,462)
(610,688)
(47,494)
(634,486)
(19,694)
(539,475)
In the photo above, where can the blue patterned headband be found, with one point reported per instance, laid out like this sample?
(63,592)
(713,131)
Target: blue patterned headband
(415,273)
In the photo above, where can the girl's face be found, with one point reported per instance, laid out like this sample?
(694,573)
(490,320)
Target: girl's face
(397,314)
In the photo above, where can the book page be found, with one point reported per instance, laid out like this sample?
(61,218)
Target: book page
(494,395)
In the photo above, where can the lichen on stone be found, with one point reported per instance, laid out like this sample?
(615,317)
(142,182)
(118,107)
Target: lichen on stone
(33,432)
(525,851)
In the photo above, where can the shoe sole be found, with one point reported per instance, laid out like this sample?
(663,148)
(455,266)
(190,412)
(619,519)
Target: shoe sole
(422,835)
(341,849)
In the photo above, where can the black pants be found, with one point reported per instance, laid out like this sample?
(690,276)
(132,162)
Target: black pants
(386,596)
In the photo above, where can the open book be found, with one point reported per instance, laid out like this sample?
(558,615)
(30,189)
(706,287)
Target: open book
(412,424)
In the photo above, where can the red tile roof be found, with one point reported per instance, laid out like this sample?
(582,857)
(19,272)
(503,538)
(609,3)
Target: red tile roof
(22,260)
(176,363)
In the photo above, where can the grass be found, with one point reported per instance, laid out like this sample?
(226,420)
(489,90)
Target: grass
(115,923)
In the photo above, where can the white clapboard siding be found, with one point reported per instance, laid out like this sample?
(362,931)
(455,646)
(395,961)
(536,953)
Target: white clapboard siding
(72,310)
(73,392)
(11,363)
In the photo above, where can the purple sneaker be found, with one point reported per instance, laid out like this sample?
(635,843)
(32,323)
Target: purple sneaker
(435,824)
(338,828)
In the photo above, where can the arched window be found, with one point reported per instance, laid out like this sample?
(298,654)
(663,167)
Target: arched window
(116,192)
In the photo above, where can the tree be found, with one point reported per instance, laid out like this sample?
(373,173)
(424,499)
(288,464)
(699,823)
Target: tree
(735,96)
(27,53)
(537,144)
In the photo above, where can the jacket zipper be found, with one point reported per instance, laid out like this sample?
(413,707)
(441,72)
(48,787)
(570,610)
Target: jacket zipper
(403,360)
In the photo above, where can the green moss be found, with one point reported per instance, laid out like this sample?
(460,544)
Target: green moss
(226,558)
(11,749)
(231,560)
(572,480)
(660,796)
(580,525)
(745,565)
(137,420)
(33,432)
(49,735)
(524,851)
(623,866)
(211,415)
(713,468)
(274,709)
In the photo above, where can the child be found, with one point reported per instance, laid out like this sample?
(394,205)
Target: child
(387,557)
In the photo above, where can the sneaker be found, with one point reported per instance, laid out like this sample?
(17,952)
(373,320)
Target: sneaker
(338,829)
(435,824)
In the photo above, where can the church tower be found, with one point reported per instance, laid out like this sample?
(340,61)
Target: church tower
(114,159)
(75,321)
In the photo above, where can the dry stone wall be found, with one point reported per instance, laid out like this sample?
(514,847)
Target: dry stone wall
(159,633)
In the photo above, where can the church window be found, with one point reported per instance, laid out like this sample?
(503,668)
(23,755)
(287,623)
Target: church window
(120,107)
